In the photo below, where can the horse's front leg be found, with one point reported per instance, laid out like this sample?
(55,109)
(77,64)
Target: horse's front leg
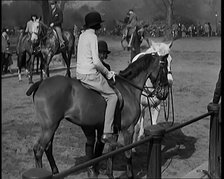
(109,171)
(19,64)
(99,146)
(37,65)
(47,58)
(89,150)
(41,66)
(128,137)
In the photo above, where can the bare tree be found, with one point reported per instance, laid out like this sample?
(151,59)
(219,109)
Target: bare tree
(169,16)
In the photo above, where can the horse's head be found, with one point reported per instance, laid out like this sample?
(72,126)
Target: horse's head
(161,77)
(162,49)
(158,76)
(35,31)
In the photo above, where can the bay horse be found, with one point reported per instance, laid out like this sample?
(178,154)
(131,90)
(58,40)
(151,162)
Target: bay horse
(138,36)
(26,46)
(58,97)
(140,31)
(50,46)
(153,103)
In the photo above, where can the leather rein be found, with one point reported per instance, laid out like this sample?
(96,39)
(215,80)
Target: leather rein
(149,94)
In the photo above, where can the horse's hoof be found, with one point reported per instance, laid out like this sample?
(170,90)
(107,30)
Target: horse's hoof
(92,172)
(133,150)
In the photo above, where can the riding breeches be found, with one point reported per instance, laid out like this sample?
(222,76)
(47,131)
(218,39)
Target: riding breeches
(100,84)
(59,32)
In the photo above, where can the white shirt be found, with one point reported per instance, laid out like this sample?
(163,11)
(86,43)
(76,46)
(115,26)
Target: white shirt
(29,26)
(88,61)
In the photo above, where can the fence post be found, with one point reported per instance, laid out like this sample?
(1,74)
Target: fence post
(154,151)
(214,165)
(37,173)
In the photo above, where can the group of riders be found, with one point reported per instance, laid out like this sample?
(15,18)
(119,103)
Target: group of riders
(56,20)
(91,69)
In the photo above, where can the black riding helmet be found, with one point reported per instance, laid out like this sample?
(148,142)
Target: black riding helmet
(53,2)
(92,19)
(103,47)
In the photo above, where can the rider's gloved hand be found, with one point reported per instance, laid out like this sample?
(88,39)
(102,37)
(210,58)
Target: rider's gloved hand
(111,75)
(52,24)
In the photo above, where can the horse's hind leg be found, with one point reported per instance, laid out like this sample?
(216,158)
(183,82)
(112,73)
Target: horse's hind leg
(67,61)
(128,137)
(50,157)
(44,143)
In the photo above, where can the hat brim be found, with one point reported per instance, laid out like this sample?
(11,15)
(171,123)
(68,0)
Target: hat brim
(92,24)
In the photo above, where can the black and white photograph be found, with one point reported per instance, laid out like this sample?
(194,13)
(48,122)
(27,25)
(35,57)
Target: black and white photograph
(111,89)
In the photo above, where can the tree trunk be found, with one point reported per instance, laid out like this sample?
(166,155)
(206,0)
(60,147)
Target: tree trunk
(168,31)
(45,11)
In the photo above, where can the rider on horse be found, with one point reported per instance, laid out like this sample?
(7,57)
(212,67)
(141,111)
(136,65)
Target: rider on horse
(29,24)
(56,19)
(131,26)
(126,20)
(90,71)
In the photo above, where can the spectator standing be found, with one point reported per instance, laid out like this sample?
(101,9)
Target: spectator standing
(206,29)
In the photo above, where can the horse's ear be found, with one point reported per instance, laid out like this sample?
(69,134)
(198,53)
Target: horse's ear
(170,44)
(38,19)
(151,42)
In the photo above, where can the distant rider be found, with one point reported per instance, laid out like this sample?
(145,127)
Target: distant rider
(131,26)
(56,19)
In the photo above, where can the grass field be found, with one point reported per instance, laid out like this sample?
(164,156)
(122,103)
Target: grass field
(196,64)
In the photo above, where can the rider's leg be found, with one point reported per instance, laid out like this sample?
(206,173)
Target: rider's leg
(100,84)
(59,32)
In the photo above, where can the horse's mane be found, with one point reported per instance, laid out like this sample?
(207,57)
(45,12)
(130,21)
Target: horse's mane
(137,66)
(45,31)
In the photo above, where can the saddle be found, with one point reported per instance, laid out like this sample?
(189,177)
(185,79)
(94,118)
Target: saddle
(119,106)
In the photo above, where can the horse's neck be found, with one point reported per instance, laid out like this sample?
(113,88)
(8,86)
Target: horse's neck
(139,82)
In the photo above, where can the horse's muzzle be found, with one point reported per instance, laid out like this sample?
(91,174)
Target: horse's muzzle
(162,92)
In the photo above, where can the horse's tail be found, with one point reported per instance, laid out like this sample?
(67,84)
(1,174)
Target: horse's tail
(33,88)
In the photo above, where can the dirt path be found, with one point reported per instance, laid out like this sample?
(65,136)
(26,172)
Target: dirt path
(195,66)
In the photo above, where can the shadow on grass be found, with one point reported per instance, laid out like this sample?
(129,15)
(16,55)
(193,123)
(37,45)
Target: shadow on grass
(174,144)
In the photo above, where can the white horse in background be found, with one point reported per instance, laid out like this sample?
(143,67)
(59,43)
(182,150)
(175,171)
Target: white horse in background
(154,104)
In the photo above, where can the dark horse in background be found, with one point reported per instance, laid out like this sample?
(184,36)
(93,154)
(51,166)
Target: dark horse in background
(26,48)
(49,44)
(57,98)
(138,37)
